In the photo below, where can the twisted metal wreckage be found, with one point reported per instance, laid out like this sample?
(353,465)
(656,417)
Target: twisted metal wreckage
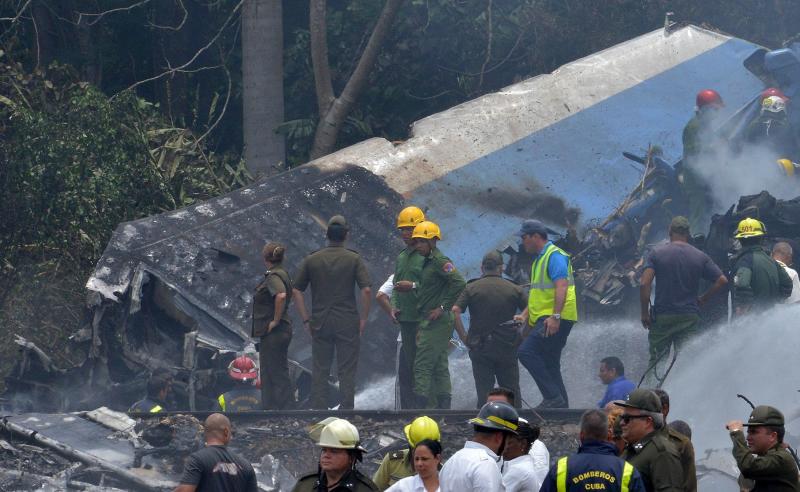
(174,290)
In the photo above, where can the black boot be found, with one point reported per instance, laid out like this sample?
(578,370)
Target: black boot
(443,402)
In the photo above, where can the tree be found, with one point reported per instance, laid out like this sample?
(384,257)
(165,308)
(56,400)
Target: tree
(262,80)
(333,111)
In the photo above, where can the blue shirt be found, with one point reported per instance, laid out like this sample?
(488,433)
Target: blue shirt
(557,267)
(618,389)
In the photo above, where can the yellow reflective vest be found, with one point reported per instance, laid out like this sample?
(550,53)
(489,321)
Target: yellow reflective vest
(561,476)
(543,290)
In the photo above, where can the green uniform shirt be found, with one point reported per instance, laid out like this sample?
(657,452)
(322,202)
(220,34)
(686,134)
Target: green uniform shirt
(774,471)
(354,481)
(658,463)
(407,267)
(276,281)
(686,450)
(439,283)
(333,274)
(394,467)
(491,300)
(759,281)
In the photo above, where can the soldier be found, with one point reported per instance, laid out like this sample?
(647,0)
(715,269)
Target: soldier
(759,282)
(340,452)
(244,397)
(648,449)
(403,308)
(682,443)
(272,325)
(333,273)
(491,300)
(762,457)
(398,464)
(439,287)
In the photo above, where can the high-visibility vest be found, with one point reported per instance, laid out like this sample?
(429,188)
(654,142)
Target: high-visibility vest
(543,290)
(221,401)
(156,409)
(561,476)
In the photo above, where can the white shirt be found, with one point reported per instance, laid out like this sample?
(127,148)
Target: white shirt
(409,484)
(795,297)
(387,286)
(472,469)
(519,475)
(541,460)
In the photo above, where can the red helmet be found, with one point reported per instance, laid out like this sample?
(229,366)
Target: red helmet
(773,91)
(242,368)
(708,97)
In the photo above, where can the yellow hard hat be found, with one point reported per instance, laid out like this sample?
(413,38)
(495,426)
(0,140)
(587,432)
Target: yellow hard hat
(422,428)
(750,228)
(340,434)
(426,230)
(410,217)
(787,166)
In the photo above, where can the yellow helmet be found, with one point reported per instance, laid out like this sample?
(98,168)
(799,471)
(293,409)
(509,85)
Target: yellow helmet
(410,217)
(422,428)
(787,166)
(426,230)
(750,228)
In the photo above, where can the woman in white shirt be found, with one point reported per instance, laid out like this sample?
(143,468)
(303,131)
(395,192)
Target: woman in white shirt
(427,462)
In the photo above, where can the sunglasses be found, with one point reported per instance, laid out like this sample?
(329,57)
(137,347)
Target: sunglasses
(626,418)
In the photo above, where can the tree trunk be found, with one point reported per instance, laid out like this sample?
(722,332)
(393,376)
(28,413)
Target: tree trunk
(334,115)
(262,79)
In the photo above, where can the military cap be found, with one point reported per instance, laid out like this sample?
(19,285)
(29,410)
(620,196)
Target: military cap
(765,415)
(679,224)
(642,399)
(337,220)
(492,260)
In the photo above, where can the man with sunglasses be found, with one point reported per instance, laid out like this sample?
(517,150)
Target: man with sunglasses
(649,450)
(762,456)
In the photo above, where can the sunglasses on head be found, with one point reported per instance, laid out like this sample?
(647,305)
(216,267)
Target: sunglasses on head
(626,418)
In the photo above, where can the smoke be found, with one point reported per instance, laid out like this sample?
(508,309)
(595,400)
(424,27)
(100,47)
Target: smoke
(756,356)
(730,173)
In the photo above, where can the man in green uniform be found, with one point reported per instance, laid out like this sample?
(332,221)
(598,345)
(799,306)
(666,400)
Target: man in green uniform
(272,325)
(403,305)
(333,273)
(648,449)
(759,282)
(439,287)
(762,456)
(491,301)
(399,464)
(682,443)
(698,139)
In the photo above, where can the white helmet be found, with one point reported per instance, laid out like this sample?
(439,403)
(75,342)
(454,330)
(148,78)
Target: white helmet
(340,434)
(773,104)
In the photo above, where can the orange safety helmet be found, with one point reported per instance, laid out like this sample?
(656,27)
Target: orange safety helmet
(708,97)
(243,368)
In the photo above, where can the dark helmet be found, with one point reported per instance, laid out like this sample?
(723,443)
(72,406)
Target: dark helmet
(497,415)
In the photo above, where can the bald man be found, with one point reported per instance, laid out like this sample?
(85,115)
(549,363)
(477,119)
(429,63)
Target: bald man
(215,468)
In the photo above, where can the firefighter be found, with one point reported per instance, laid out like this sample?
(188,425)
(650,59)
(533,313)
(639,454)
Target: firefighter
(159,387)
(244,397)
(398,464)
(401,304)
(759,282)
(698,139)
(340,452)
(439,287)
(772,130)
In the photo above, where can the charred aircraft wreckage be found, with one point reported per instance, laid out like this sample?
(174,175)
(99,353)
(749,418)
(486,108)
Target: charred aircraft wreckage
(174,290)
